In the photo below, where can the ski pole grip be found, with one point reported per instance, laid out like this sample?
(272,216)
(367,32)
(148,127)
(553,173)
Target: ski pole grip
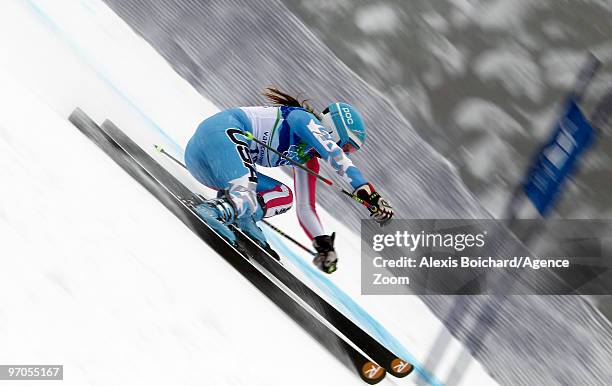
(372,208)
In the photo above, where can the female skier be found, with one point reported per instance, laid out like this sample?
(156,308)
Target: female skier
(220,156)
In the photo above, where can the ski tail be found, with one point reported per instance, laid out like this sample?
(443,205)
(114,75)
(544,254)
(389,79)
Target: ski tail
(400,368)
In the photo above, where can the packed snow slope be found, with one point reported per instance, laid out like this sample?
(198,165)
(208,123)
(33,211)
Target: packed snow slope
(230,49)
(98,276)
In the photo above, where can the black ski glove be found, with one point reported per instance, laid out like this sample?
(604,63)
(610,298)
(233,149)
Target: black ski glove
(325,258)
(380,209)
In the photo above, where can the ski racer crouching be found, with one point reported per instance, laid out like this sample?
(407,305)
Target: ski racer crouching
(220,156)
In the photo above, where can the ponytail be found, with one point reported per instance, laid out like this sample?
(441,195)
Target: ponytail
(277,97)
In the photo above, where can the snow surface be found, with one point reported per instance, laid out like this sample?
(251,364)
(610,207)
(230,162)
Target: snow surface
(377,18)
(97,276)
(100,277)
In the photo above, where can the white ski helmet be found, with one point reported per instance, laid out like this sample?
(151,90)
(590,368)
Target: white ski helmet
(346,126)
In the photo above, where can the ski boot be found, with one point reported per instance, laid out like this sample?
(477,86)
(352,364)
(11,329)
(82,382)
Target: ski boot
(325,259)
(248,225)
(218,214)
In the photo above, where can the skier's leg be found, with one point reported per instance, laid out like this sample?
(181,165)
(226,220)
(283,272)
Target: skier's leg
(216,213)
(211,156)
(218,157)
(273,196)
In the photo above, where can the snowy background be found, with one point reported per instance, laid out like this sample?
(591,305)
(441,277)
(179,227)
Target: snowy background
(480,81)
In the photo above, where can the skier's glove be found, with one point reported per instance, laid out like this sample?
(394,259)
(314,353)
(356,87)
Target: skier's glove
(325,258)
(380,209)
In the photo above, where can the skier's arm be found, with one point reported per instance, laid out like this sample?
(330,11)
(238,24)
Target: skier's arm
(305,197)
(310,130)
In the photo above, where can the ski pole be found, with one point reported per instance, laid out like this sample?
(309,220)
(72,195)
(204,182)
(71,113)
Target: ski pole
(161,150)
(280,232)
(371,208)
(278,153)
(274,227)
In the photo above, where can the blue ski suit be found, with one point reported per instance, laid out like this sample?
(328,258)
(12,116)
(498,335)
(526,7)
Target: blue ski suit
(219,156)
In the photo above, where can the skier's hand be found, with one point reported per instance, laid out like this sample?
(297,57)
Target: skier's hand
(380,209)
(325,258)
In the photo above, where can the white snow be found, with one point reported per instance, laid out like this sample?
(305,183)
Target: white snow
(377,19)
(561,66)
(483,116)
(495,14)
(435,21)
(97,276)
(514,68)
(501,14)
(479,154)
(375,55)
(450,56)
(100,277)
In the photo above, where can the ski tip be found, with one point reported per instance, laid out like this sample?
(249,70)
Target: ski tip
(158,148)
(400,368)
(372,373)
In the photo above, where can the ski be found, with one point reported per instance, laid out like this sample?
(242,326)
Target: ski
(180,205)
(270,263)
